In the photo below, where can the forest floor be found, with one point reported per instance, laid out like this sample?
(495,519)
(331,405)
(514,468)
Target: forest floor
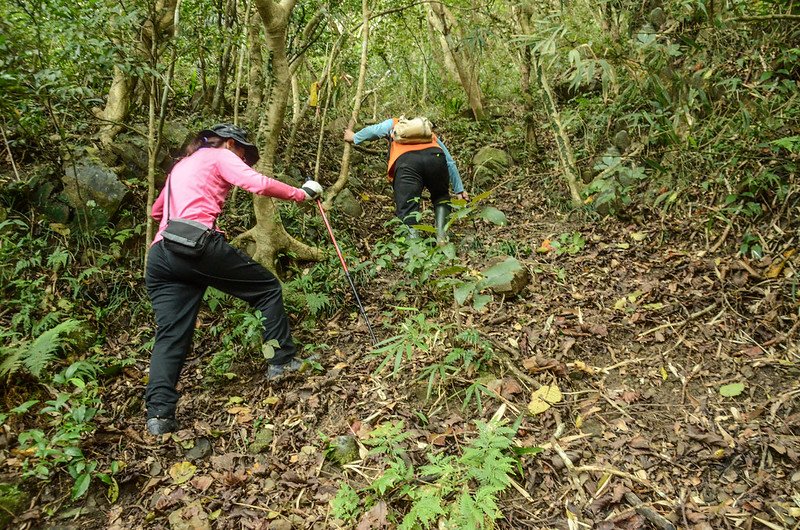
(640,328)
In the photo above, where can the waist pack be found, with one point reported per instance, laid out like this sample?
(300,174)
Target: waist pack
(413,131)
(185,237)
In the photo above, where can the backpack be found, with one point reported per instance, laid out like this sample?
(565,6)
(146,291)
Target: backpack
(412,131)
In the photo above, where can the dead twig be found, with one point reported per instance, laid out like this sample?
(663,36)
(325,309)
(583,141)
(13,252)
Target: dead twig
(572,474)
(655,518)
(508,362)
(623,474)
(688,319)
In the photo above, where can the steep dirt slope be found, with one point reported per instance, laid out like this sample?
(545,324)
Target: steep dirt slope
(642,330)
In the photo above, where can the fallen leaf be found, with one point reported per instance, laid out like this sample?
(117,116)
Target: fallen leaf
(375,518)
(191,517)
(543,399)
(731,390)
(182,472)
(202,483)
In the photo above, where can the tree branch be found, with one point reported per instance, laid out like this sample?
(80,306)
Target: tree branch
(763,18)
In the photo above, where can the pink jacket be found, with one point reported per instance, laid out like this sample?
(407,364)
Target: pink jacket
(200,184)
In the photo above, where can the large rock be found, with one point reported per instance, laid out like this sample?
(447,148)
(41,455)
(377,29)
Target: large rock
(505,275)
(348,203)
(176,136)
(93,189)
(490,164)
(622,140)
(132,151)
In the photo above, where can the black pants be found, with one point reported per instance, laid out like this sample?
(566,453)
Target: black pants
(176,286)
(414,171)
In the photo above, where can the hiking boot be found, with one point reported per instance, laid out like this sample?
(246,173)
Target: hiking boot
(159,426)
(441,212)
(276,372)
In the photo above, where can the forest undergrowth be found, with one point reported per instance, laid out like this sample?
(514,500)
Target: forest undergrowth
(645,377)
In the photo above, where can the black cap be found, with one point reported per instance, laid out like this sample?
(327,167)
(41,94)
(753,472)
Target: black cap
(228,130)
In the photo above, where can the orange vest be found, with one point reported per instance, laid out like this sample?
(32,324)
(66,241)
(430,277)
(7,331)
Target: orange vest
(396,149)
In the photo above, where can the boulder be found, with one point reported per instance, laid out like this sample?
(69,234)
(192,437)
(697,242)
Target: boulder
(344,449)
(657,17)
(93,189)
(348,203)
(505,275)
(176,136)
(622,140)
(132,151)
(490,163)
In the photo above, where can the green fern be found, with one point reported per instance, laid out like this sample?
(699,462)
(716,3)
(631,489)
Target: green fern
(426,510)
(35,355)
(317,302)
(345,504)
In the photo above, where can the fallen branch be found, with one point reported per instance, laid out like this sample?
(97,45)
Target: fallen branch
(763,18)
(623,474)
(8,149)
(508,362)
(655,518)
(691,317)
(572,471)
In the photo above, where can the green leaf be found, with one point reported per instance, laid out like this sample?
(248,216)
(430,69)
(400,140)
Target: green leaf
(452,271)
(463,292)
(22,409)
(479,301)
(81,485)
(790,143)
(493,215)
(424,228)
(731,390)
(113,491)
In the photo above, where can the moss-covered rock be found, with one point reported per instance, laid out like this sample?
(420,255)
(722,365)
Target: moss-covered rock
(490,164)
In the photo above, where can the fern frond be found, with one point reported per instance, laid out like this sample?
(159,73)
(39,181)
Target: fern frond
(12,358)
(43,349)
(316,302)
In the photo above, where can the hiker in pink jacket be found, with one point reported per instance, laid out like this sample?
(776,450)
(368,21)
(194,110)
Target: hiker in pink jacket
(217,160)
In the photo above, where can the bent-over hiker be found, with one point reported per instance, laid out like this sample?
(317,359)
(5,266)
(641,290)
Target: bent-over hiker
(191,255)
(412,167)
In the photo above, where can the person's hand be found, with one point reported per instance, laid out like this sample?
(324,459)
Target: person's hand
(313,190)
(349,135)
(463,195)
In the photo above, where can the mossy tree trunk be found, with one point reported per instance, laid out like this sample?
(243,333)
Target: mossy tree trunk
(157,28)
(255,87)
(268,235)
(465,63)
(344,170)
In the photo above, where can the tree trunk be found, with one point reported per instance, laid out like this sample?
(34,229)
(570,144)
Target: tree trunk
(255,87)
(524,15)
(441,53)
(155,130)
(240,66)
(117,107)
(466,66)
(563,146)
(120,95)
(218,103)
(268,235)
(341,182)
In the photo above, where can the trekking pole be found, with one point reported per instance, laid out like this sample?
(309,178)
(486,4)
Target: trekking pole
(347,272)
